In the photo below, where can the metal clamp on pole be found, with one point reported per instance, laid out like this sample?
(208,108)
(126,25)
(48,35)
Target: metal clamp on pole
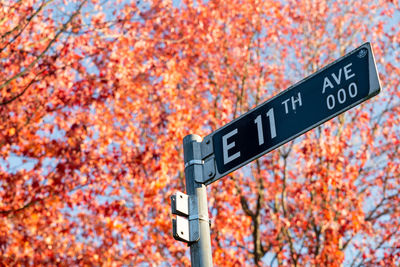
(208,166)
(193,162)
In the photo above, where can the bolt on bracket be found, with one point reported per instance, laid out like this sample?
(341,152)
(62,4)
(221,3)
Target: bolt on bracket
(208,169)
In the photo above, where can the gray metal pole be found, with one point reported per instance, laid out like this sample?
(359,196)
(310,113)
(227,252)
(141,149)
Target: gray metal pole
(200,252)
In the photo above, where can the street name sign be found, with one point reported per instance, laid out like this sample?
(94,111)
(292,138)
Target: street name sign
(341,85)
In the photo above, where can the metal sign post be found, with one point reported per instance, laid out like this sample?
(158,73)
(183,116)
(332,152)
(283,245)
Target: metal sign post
(343,84)
(194,226)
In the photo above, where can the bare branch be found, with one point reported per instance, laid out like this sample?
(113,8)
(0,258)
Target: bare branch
(49,45)
(23,90)
(19,26)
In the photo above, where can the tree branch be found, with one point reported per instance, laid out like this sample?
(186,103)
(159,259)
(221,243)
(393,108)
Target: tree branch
(28,20)
(49,45)
(23,90)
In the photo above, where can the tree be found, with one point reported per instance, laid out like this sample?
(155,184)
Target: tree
(96,98)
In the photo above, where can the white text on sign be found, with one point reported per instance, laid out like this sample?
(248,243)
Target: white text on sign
(341,94)
(295,101)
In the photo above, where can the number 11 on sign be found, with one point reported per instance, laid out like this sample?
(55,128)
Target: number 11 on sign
(258,121)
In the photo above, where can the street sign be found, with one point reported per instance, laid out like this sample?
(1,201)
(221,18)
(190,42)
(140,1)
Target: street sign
(341,85)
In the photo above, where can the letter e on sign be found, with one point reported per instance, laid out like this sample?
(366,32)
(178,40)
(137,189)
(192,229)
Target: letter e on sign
(226,147)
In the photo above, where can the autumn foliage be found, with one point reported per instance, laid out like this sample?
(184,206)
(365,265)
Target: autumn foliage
(96,97)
